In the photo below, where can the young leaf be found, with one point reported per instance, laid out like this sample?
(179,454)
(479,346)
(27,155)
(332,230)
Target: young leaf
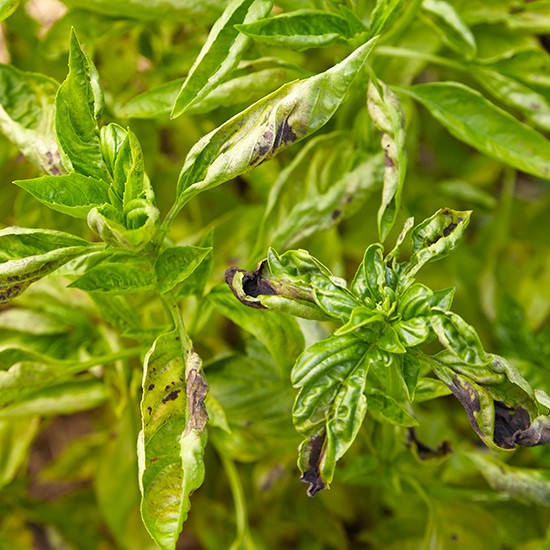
(27,255)
(436,237)
(220,54)
(7,8)
(176,263)
(196,283)
(268,126)
(449,25)
(370,278)
(384,14)
(476,121)
(27,115)
(331,405)
(78,103)
(300,29)
(172,438)
(72,194)
(388,409)
(385,111)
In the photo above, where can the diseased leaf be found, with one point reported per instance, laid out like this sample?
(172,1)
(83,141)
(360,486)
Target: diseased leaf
(370,278)
(27,255)
(27,106)
(327,182)
(300,29)
(72,194)
(386,113)
(529,486)
(172,438)
(268,126)
(436,237)
(176,263)
(476,121)
(331,405)
(78,103)
(221,52)
(196,282)
(449,25)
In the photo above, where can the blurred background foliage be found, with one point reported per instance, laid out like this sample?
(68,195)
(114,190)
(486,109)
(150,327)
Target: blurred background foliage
(67,467)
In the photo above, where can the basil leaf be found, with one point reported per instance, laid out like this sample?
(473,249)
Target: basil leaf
(176,263)
(172,438)
(27,114)
(331,405)
(476,121)
(300,29)
(27,255)
(78,103)
(72,194)
(221,52)
(268,126)
(386,113)
(383,15)
(386,408)
(7,8)
(449,25)
(370,278)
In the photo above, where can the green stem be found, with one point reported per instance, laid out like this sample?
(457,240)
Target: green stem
(242,537)
(173,308)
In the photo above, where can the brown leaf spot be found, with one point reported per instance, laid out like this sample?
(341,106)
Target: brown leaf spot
(252,283)
(171,396)
(313,474)
(197,389)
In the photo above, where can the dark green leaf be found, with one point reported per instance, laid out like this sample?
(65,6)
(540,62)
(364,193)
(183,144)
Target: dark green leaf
(412,332)
(475,120)
(331,405)
(415,302)
(221,52)
(176,263)
(387,408)
(300,29)
(267,127)
(116,278)
(72,194)
(78,103)
(172,438)
(370,277)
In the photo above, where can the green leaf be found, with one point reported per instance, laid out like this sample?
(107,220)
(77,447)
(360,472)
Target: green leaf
(268,126)
(177,263)
(436,237)
(334,181)
(514,94)
(458,337)
(300,29)
(7,8)
(370,278)
(156,102)
(528,485)
(280,334)
(221,52)
(116,278)
(27,106)
(78,103)
(63,398)
(388,409)
(31,322)
(72,194)
(16,436)
(415,302)
(476,121)
(412,332)
(331,405)
(172,438)
(27,255)
(383,16)
(449,25)
(386,113)
(196,283)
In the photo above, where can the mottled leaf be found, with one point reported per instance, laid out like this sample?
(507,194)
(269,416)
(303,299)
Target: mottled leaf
(175,264)
(386,113)
(268,126)
(383,16)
